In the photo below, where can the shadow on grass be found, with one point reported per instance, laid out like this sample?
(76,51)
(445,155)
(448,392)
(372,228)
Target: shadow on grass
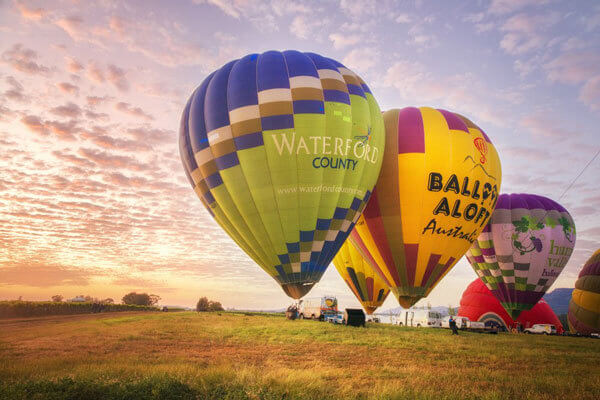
(162,388)
(69,389)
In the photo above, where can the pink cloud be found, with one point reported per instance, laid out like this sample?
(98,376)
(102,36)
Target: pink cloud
(67,87)
(35,124)
(62,130)
(544,124)
(134,111)
(73,159)
(95,100)
(500,7)
(72,25)
(590,93)
(95,73)
(24,60)
(578,68)
(105,159)
(526,32)
(116,76)
(152,135)
(74,66)
(573,67)
(111,143)
(16,90)
(70,110)
(30,13)
(96,116)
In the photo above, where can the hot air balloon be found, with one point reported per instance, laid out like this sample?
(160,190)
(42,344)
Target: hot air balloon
(437,188)
(358,274)
(523,249)
(584,308)
(479,304)
(283,149)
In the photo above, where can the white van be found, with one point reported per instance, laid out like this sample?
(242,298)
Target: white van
(546,329)
(419,318)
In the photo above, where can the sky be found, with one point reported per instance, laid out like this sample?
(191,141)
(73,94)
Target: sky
(93,197)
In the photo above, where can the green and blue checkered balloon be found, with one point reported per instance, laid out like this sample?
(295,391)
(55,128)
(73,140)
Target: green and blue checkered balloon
(283,149)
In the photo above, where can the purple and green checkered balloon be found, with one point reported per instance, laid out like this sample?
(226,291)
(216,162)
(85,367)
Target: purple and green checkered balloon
(284,149)
(523,249)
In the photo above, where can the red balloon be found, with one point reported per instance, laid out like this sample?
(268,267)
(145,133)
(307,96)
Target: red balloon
(479,304)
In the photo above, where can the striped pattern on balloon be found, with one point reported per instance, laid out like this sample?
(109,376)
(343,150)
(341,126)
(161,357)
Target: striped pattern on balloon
(354,267)
(523,249)
(273,144)
(584,307)
(436,191)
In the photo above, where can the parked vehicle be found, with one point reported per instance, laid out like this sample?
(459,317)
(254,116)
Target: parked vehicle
(419,318)
(354,317)
(317,307)
(387,319)
(545,329)
(476,326)
(461,322)
(334,318)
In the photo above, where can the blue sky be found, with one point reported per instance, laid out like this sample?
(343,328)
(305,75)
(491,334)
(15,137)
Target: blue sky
(95,201)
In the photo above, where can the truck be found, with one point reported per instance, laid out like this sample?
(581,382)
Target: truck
(419,318)
(317,307)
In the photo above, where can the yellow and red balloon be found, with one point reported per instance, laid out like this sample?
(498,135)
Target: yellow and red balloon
(437,188)
(356,270)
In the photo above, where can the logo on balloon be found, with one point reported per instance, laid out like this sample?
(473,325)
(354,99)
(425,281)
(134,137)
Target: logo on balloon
(481,146)
(364,138)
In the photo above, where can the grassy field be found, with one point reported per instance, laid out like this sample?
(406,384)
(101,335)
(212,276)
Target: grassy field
(238,356)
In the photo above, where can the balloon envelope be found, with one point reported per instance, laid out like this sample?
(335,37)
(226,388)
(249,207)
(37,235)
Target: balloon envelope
(479,304)
(584,307)
(437,188)
(360,277)
(523,249)
(283,149)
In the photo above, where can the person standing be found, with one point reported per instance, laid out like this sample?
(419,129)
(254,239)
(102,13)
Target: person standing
(452,324)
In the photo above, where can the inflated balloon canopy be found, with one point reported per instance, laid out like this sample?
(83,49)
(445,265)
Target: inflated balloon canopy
(523,249)
(283,149)
(438,186)
(355,269)
(584,308)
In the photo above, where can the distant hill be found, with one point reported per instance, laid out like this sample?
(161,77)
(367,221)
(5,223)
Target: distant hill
(558,299)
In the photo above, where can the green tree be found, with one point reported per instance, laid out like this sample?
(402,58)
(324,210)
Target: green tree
(57,298)
(203,304)
(140,299)
(451,311)
(214,306)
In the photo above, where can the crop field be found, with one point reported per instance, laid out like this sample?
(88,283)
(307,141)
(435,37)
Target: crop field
(258,356)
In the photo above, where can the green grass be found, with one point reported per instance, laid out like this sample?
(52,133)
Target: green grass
(247,356)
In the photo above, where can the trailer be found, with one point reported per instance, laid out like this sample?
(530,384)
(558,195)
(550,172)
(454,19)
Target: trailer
(419,318)
(317,307)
